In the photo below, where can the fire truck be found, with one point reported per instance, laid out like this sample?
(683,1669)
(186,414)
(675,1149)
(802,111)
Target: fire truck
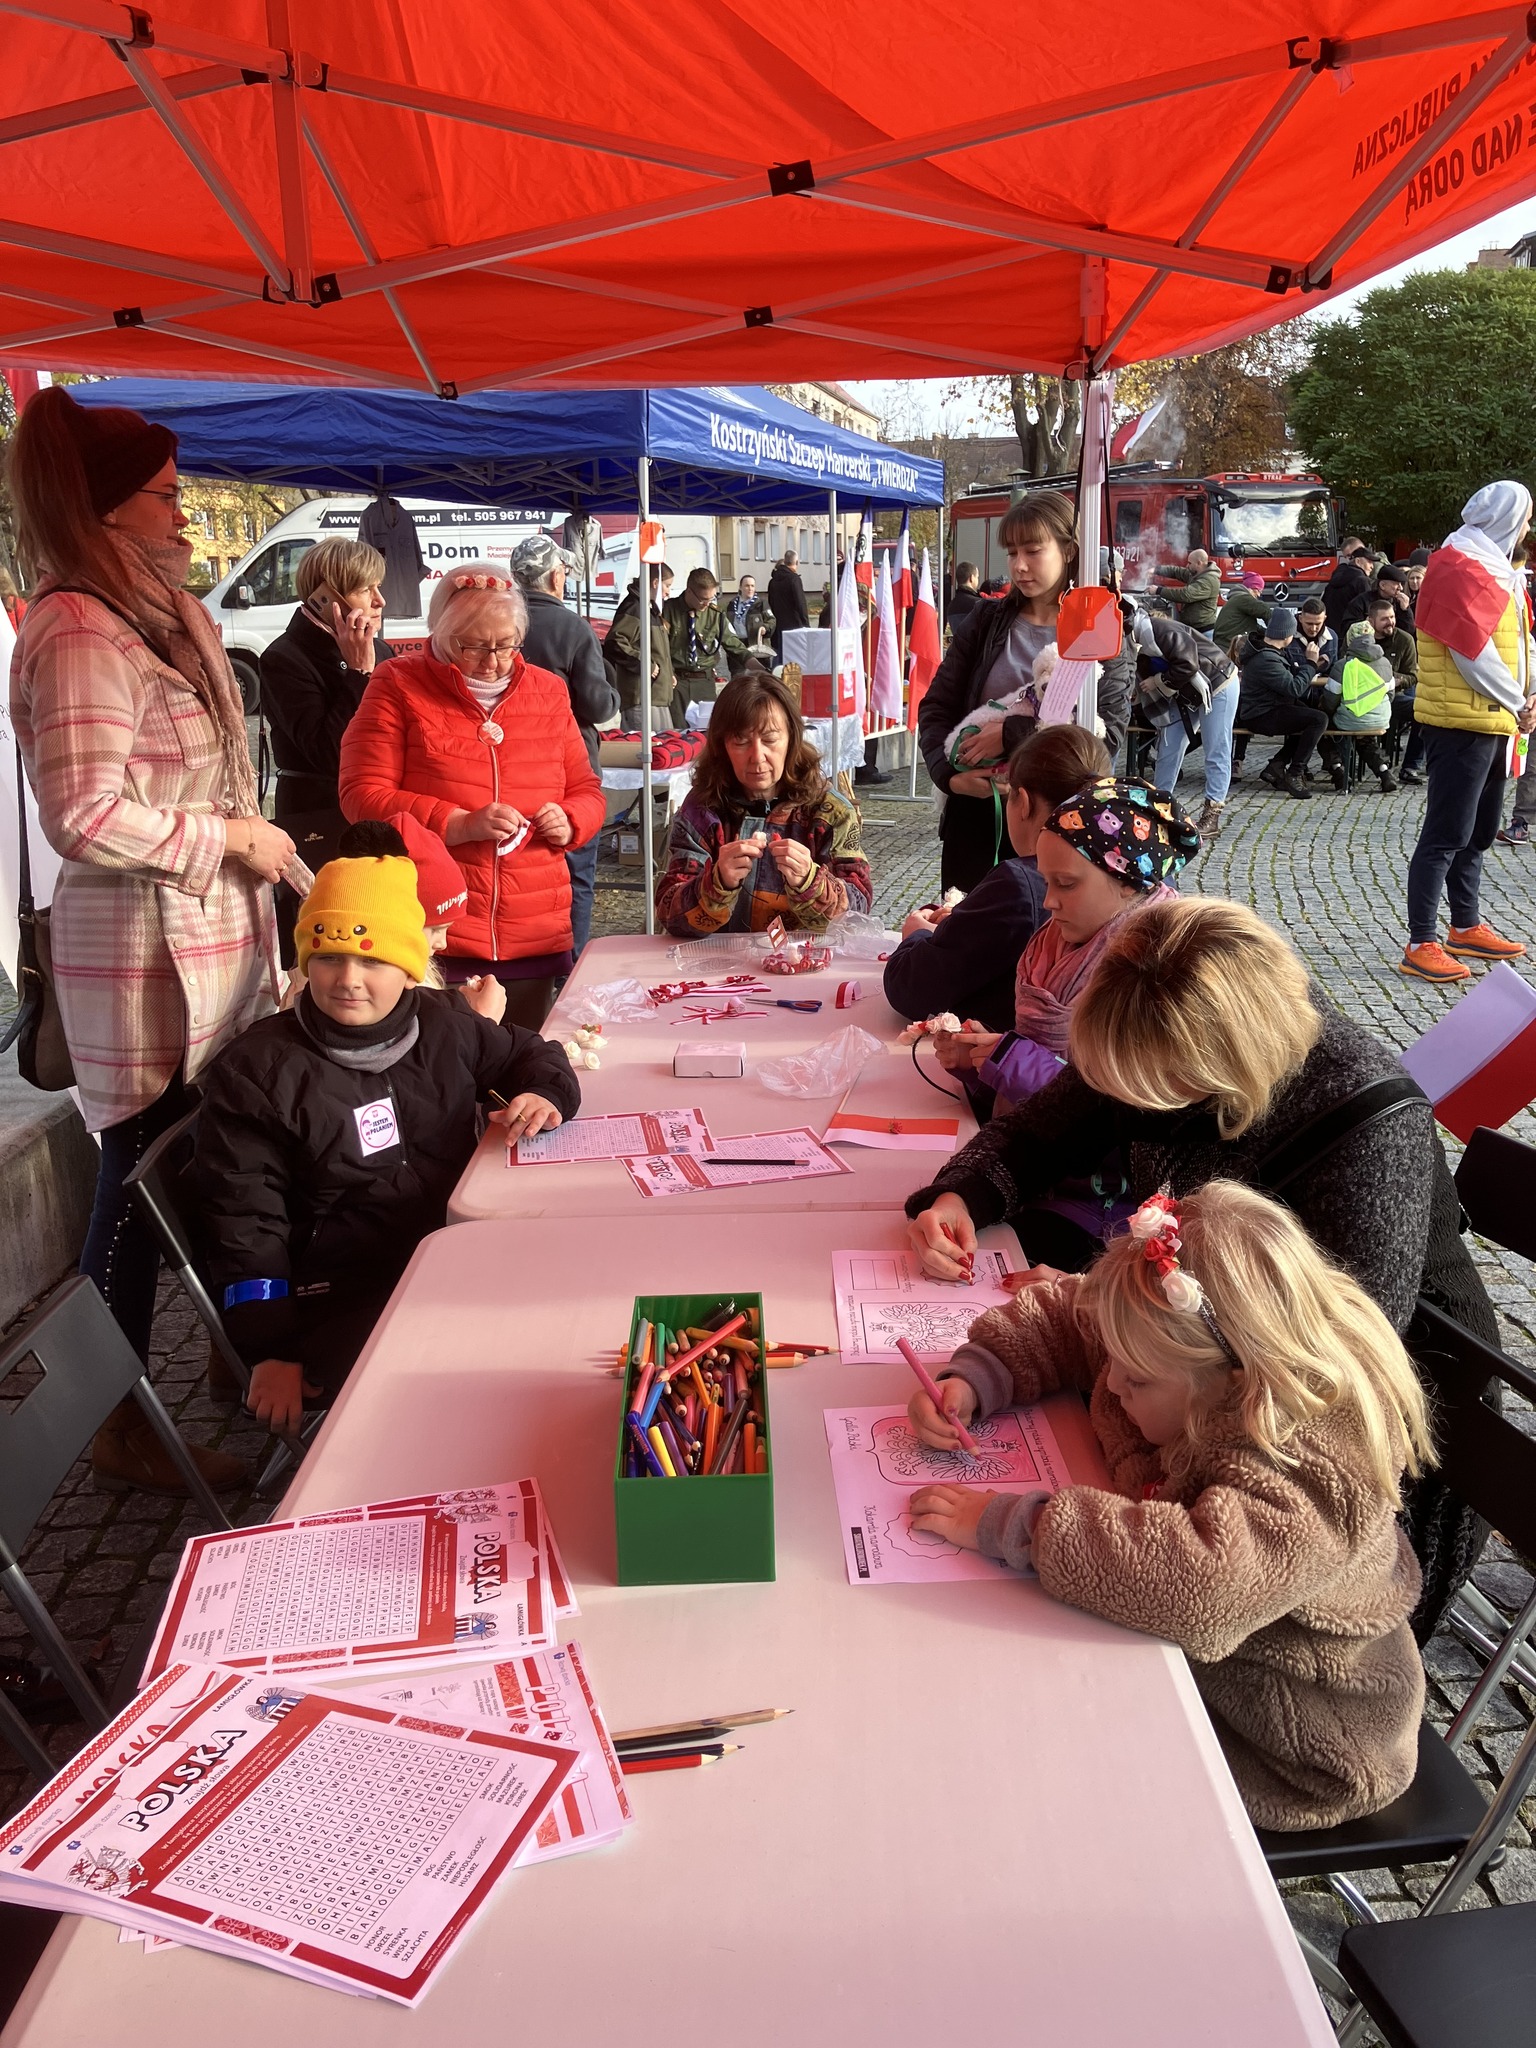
(1284,527)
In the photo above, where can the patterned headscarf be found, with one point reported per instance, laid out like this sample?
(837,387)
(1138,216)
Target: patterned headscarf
(1135,833)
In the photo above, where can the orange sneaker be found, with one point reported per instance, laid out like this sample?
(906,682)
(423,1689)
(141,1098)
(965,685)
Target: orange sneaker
(1481,942)
(1431,962)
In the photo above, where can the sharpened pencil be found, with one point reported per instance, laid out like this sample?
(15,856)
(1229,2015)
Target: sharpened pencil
(684,1760)
(706,1725)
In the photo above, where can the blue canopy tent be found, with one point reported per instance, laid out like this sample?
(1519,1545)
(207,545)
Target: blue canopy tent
(721,448)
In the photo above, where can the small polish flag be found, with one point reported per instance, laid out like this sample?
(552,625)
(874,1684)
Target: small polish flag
(901,581)
(1478,1065)
(864,553)
(885,693)
(926,652)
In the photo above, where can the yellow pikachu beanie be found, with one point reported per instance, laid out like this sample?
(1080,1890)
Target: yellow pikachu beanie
(367,907)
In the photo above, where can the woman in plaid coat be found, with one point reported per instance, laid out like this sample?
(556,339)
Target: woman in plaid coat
(131,726)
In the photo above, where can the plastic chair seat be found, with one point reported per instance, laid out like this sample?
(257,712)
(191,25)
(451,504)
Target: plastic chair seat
(1455,1980)
(1432,1822)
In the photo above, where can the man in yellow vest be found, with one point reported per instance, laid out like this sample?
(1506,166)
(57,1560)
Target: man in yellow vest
(1475,692)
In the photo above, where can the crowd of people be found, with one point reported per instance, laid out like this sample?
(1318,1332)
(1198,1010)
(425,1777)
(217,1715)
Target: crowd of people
(1226,1231)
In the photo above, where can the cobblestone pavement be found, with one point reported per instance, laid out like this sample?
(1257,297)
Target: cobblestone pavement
(1330,872)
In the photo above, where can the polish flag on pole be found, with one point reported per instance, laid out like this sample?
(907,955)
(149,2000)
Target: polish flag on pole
(850,627)
(1478,1065)
(901,586)
(864,553)
(886,693)
(926,651)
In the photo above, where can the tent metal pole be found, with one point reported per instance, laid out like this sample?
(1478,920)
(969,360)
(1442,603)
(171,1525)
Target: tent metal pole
(1467,101)
(835,587)
(1259,140)
(192,147)
(118,256)
(643,599)
(288,136)
(107,106)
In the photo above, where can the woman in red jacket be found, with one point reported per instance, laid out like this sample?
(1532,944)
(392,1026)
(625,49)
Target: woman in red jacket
(481,748)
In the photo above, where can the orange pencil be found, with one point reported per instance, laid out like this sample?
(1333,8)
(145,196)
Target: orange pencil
(711,1436)
(749,1448)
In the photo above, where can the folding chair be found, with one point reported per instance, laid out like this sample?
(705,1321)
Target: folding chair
(1466,1980)
(1496,1182)
(88,1366)
(157,1184)
(1492,1465)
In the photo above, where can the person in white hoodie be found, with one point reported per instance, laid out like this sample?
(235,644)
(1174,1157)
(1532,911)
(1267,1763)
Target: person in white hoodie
(1475,691)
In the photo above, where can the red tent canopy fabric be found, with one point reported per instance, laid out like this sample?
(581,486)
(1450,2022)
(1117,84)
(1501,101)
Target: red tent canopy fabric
(387,191)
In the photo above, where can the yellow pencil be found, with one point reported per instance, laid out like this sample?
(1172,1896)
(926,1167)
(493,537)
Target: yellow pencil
(658,1444)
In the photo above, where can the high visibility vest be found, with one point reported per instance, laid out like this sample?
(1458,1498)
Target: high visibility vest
(1364,694)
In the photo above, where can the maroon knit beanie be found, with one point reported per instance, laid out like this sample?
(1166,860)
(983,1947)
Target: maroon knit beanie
(119,451)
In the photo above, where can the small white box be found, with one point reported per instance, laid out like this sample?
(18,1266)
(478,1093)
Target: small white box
(710,1059)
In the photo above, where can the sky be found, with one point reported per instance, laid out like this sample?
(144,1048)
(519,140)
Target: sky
(917,405)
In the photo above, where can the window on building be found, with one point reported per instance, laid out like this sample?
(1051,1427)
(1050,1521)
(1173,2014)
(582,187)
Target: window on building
(744,539)
(816,553)
(248,521)
(760,546)
(775,540)
(205,521)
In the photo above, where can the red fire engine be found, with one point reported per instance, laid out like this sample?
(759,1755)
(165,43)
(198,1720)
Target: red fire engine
(1284,527)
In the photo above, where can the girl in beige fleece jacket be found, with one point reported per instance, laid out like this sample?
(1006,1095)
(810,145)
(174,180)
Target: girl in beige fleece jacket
(1256,1412)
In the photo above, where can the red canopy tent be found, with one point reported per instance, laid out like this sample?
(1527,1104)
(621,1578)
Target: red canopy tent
(386,191)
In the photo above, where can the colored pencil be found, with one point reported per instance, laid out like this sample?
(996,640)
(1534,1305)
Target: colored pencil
(705,1725)
(663,1455)
(740,1159)
(683,1760)
(967,1259)
(731,1432)
(641,1443)
(930,1387)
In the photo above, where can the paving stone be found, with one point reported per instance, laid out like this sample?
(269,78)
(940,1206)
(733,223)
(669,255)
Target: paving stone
(1514,1882)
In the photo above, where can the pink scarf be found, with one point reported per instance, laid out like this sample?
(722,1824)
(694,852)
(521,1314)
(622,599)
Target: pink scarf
(1053,973)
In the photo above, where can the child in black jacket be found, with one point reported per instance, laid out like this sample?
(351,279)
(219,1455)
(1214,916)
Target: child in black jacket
(332,1135)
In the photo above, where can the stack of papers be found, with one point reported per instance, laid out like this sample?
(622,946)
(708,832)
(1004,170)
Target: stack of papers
(881,1296)
(351,1725)
(615,1137)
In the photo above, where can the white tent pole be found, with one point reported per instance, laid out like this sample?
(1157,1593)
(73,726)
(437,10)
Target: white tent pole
(834,585)
(1098,395)
(643,598)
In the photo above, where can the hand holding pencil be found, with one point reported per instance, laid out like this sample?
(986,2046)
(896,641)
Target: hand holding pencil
(940,1410)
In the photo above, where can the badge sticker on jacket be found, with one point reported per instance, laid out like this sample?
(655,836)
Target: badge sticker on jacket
(377,1129)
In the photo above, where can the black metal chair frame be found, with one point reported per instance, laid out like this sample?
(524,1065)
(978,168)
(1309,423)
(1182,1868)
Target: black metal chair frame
(88,1366)
(152,1188)
(1492,1465)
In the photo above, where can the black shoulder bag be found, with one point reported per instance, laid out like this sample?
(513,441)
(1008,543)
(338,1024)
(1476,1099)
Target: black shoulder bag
(37,1030)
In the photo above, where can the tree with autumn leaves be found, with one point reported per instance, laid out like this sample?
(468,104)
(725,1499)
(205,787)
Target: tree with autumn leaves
(1422,398)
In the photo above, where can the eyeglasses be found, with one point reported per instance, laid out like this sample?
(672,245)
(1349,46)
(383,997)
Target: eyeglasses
(477,650)
(171,498)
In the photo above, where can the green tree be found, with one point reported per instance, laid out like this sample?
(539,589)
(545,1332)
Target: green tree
(1424,397)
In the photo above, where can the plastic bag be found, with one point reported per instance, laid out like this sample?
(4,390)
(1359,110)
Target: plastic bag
(857,937)
(611,1002)
(830,1068)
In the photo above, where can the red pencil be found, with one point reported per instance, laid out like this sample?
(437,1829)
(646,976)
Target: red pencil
(683,1760)
(967,1259)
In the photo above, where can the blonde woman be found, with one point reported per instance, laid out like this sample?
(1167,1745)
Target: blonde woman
(481,747)
(1200,1050)
(315,672)
(1257,1414)
(130,721)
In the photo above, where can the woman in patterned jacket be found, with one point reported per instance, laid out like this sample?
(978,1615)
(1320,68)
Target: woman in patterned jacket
(130,722)
(761,834)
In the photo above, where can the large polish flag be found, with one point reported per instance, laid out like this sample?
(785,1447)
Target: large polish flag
(1478,1065)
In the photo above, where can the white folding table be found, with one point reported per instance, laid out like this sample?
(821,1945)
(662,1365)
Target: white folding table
(636,1073)
(989,1817)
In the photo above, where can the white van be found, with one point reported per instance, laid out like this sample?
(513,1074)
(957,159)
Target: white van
(255,601)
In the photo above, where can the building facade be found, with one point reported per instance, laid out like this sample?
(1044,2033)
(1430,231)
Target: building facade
(227,520)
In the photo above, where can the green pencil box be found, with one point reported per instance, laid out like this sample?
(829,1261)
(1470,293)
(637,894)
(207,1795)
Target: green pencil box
(674,1532)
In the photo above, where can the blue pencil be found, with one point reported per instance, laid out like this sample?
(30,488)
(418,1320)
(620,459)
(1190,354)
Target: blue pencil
(647,1455)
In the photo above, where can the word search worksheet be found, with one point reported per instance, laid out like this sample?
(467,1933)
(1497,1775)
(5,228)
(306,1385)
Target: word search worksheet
(878,1464)
(386,1584)
(885,1295)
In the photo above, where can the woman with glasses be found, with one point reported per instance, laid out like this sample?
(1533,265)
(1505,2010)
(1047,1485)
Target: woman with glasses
(131,725)
(481,748)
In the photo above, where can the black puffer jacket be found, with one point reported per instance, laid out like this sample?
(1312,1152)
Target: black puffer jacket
(961,683)
(1271,680)
(561,641)
(287,1190)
